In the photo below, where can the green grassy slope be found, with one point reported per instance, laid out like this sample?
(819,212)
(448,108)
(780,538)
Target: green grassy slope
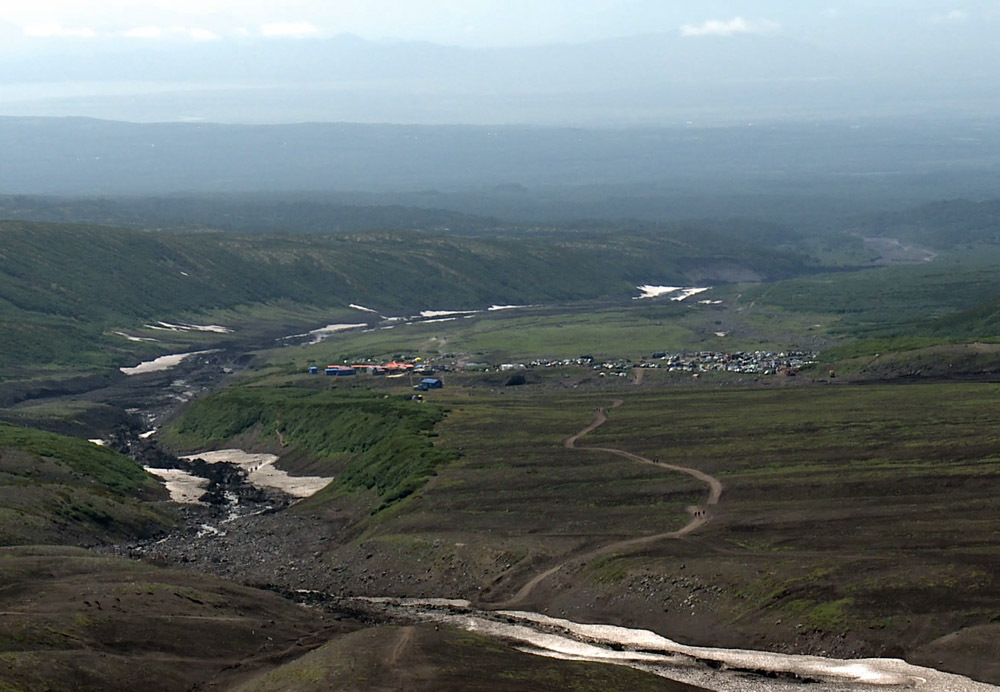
(854,519)
(77,621)
(56,489)
(423,657)
(945,224)
(927,299)
(369,442)
(63,287)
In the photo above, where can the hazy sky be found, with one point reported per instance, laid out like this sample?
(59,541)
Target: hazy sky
(32,25)
(124,59)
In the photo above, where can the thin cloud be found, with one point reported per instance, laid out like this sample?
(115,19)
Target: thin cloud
(953,17)
(57,31)
(289,30)
(143,32)
(156,32)
(736,25)
(200,34)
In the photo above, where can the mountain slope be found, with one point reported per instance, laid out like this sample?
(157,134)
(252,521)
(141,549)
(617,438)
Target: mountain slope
(56,489)
(65,288)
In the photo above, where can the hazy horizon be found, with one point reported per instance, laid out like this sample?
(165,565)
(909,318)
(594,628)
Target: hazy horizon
(589,63)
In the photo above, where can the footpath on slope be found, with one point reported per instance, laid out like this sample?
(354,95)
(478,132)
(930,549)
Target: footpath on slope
(700,514)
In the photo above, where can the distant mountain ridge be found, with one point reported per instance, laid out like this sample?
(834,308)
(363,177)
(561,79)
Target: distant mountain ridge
(249,213)
(654,78)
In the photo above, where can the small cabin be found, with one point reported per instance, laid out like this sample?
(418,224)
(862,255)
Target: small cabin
(340,371)
(430,383)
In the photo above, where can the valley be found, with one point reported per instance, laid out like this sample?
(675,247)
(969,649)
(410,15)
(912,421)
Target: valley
(423,346)
(528,519)
(773,449)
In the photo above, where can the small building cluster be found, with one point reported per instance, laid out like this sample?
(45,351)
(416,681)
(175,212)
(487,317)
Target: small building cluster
(391,369)
(745,362)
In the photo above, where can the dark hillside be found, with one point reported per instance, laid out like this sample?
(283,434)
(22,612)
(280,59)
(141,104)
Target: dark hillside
(942,225)
(63,288)
(256,213)
(56,489)
(74,620)
(442,659)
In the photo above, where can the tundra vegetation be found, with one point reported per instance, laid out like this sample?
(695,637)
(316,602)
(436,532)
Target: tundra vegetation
(859,511)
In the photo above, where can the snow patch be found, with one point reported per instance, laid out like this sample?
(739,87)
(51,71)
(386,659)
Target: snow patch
(324,333)
(446,313)
(182,327)
(262,473)
(161,363)
(653,647)
(688,292)
(99,442)
(135,338)
(184,488)
(651,291)
(362,308)
(682,293)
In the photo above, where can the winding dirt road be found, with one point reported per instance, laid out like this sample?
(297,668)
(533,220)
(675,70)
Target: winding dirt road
(700,514)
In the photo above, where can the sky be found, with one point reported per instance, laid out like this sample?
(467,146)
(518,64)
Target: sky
(126,59)
(37,24)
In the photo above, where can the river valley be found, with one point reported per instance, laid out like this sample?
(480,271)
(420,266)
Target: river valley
(240,528)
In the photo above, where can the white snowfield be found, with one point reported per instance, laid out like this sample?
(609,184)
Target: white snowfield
(446,313)
(138,339)
(362,308)
(161,363)
(324,333)
(184,488)
(723,670)
(676,293)
(183,327)
(262,472)
(649,647)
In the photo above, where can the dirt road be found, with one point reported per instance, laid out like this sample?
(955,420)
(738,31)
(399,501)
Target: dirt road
(700,514)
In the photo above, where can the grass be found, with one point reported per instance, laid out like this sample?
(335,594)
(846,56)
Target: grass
(77,620)
(103,279)
(444,659)
(624,331)
(899,302)
(368,441)
(844,507)
(97,464)
(65,490)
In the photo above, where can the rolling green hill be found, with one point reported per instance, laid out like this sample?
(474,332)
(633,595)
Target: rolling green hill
(942,225)
(369,442)
(56,489)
